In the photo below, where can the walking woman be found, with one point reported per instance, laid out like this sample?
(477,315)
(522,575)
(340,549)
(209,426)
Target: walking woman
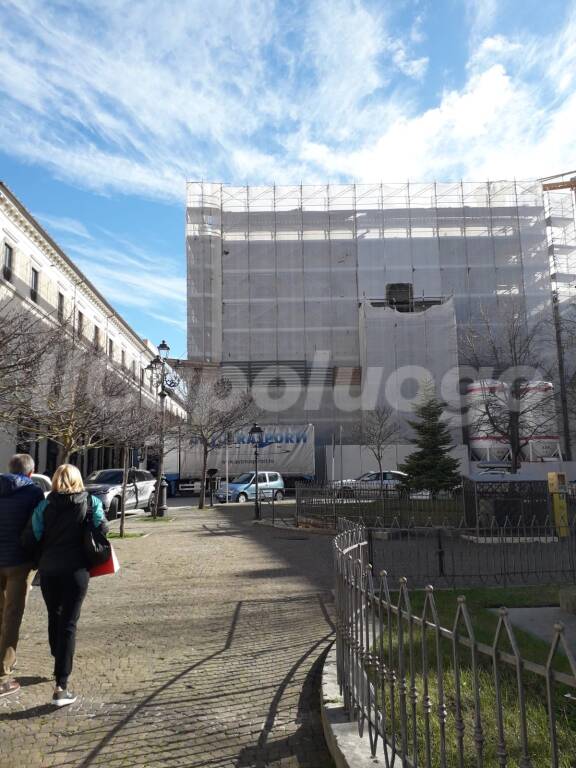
(58,523)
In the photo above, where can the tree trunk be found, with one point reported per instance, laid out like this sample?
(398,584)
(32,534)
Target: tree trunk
(203,484)
(64,454)
(515,441)
(124,484)
(379,460)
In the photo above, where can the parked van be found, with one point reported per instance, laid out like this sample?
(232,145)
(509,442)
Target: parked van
(243,487)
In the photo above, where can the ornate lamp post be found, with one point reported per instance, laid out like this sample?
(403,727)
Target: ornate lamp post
(256,434)
(158,369)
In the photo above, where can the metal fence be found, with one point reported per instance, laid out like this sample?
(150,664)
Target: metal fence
(428,695)
(487,500)
(322,506)
(474,504)
(509,553)
(277,513)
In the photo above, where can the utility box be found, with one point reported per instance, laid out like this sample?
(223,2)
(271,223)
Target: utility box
(557,482)
(557,488)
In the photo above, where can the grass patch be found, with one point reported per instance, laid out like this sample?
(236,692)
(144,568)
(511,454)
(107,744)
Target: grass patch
(484,621)
(150,519)
(131,535)
(481,600)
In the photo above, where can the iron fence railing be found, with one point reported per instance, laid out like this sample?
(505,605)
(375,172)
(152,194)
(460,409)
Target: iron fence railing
(429,695)
(322,506)
(506,553)
(276,512)
(501,499)
(478,503)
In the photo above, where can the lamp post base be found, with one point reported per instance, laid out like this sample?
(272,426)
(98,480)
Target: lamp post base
(162,499)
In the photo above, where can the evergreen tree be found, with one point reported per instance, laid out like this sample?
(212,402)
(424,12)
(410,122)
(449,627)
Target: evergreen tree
(431,467)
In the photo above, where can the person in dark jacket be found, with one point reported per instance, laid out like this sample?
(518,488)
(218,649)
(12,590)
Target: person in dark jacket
(18,497)
(58,523)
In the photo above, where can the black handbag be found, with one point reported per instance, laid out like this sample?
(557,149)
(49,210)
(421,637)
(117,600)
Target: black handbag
(97,548)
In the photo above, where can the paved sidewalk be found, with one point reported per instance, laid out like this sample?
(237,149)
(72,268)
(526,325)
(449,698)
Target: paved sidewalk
(204,651)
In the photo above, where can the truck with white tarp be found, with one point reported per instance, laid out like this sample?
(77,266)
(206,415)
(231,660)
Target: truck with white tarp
(287,449)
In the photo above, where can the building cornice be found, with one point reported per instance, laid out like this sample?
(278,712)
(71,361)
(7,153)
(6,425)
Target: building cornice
(24,220)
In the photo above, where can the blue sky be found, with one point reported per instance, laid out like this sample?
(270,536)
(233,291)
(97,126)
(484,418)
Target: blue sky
(108,106)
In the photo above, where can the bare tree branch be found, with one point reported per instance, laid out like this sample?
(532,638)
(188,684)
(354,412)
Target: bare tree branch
(519,406)
(377,430)
(213,409)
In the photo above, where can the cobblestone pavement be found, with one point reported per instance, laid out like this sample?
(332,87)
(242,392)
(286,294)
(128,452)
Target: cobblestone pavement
(205,650)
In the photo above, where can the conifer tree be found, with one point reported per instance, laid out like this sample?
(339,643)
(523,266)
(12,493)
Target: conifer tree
(430,467)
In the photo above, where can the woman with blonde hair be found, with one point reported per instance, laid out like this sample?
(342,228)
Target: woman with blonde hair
(58,523)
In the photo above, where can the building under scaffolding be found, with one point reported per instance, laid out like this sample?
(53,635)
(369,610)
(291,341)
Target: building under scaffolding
(311,288)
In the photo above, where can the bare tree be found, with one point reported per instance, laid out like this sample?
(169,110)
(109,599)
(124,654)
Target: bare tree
(134,427)
(25,339)
(77,399)
(213,409)
(565,331)
(517,402)
(377,430)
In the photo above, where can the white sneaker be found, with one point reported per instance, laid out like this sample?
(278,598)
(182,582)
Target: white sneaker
(63,698)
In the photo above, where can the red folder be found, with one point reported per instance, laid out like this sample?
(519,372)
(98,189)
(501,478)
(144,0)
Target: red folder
(109,567)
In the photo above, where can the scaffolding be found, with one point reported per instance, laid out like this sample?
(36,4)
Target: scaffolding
(277,275)
(296,261)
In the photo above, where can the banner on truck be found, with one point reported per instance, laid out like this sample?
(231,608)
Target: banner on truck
(287,449)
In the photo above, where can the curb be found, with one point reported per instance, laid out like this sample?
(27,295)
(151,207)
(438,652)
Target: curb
(347,748)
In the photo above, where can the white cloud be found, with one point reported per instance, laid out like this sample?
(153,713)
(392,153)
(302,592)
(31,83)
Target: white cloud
(482,15)
(137,97)
(131,277)
(63,224)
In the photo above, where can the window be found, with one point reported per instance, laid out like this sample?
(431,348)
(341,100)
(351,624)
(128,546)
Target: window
(110,348)
(80,323)
(61,307)
(134,369)
(8,261)
(97,337)
(106,477)
(262,478)
(123,358)
(400,296)
(34,284)
(273,477)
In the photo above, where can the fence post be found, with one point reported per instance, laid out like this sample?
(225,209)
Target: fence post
(440,551)
(298,495)
(333,489)
(370,538)
(334,519)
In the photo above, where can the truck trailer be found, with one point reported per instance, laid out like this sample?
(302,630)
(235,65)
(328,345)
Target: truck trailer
(287,449)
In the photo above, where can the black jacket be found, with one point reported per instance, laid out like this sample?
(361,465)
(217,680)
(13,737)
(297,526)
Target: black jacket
(62,542)
(18,497)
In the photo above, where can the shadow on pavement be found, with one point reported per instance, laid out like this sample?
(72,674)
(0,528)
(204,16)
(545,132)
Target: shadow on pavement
(26,714)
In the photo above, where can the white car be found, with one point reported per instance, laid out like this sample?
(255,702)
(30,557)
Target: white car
(389,480)
(106,484)
(43,482)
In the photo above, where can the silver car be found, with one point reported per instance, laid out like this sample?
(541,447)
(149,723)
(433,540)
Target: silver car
(106,484)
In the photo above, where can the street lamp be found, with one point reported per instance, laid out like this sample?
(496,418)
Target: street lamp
(256,434)
(157,367)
